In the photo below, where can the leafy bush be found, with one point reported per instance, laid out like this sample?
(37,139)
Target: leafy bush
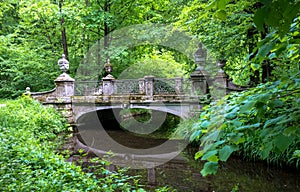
(261,123)
(28,141)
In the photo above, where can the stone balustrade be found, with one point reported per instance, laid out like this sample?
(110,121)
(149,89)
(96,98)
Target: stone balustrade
(149,86)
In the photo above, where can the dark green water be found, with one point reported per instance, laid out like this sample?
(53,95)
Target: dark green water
(183,172)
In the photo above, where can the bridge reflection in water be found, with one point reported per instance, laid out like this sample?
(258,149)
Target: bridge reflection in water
(183,172)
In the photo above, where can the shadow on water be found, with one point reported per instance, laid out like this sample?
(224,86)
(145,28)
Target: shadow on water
(183,172)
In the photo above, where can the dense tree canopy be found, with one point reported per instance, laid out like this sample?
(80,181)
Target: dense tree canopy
(35,33)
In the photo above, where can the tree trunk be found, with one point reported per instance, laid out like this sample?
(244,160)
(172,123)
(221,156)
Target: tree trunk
(266,71)
(254,75)
(63,31)
(266,66)
(106,29)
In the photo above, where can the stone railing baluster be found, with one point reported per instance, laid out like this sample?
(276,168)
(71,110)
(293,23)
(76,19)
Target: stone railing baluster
(142,86)
(149,85)
(178,85)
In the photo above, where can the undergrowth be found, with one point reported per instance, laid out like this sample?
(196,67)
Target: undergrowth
(259,124)
(29,159)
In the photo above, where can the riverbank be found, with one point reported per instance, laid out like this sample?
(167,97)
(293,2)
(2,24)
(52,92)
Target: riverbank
(30,136)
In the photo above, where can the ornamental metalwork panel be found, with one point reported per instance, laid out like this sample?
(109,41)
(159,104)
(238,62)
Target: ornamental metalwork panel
(126,86)
(163,86)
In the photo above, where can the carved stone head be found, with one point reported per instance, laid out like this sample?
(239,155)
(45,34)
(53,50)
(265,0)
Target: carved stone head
(63,64)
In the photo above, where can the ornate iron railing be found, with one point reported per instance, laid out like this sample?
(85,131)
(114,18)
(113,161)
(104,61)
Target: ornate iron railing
(154,86)
(126,86)
(164,86)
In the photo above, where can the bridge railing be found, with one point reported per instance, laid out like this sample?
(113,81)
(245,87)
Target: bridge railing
(164,86)
(82,88)
(126,86)
(145,86)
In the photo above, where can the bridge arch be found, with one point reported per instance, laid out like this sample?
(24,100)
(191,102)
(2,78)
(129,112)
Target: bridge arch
(179,110)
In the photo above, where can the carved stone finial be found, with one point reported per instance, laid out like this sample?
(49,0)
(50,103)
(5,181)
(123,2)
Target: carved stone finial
(200,55)
(63,64)
(108,67)
(28,91)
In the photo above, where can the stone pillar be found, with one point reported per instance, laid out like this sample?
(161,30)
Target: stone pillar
(63,95)
(200,77)
(199,83)
(64,86)
(178,85)
(64,91)
(151,176)
(28,91)
(108,85)
(149,85)
(142,86)
(221,79)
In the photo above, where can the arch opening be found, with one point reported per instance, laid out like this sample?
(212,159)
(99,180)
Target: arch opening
(134,128)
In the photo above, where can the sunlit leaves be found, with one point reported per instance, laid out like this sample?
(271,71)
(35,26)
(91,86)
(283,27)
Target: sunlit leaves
(226,151)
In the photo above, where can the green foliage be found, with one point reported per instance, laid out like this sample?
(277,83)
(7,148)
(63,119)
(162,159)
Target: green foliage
(272,13)
(160,64)
(224,39)
(31,36)
(261,123)
(232,30)
(28,143)
(29,161)
(281,52)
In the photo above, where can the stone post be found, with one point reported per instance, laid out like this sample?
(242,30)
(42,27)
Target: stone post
(178,85)
(200,83)
(200,77)
(108,85)
(64,90)
(151,176)
(149,85)
(28,91)
(221,79)
(142,86)
(64,85)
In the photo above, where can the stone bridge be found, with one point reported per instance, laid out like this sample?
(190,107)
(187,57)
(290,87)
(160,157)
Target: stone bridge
(179,96)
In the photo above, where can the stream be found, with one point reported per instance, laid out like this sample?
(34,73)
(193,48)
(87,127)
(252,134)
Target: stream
(182,172)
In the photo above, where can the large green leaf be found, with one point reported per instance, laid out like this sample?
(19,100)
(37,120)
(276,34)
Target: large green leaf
(221,14)
(274,121)
(259,18)
(225,152)
(282,142)
(247,106)
(266,150)
(256,125)
(264,50)
(209,168)
(209,154)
